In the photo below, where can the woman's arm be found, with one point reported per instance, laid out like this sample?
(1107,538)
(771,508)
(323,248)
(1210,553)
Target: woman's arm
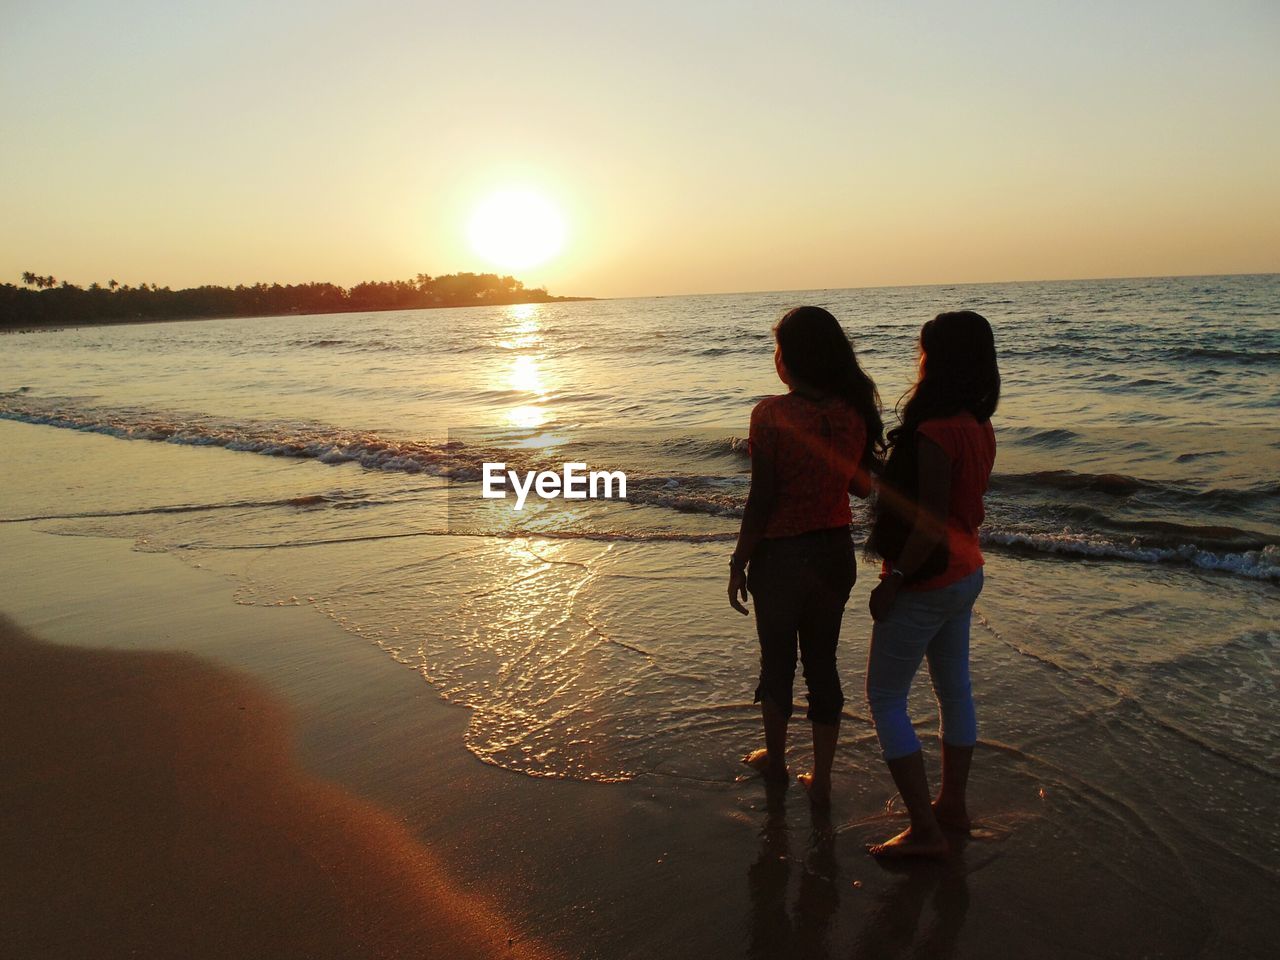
(755,516)
(862,483)
(933,486)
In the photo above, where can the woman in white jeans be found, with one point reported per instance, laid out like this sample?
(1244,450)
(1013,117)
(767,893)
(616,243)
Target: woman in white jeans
(928,511)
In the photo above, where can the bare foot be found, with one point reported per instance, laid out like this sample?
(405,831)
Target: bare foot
(952,818)
(819,792)
(906,844)
(759,761)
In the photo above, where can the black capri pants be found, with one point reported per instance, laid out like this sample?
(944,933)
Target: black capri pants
(800,586)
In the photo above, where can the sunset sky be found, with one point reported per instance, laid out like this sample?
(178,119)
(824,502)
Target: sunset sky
(689,147)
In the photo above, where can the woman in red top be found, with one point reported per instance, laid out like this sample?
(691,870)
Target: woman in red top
(939,462)
(810,448)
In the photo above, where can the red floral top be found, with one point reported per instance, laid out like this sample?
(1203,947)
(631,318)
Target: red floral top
(815,448)
(971,448)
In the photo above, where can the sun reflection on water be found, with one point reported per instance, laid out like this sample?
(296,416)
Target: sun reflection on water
(527,417)
(525,374)
(524,330)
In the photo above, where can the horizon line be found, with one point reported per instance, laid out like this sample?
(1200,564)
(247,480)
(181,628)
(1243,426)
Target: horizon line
(954,283)
(721,293)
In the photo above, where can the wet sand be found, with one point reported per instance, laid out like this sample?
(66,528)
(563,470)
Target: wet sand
(154,807)
(340,814)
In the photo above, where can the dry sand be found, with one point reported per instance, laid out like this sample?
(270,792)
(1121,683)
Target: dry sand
(154,807)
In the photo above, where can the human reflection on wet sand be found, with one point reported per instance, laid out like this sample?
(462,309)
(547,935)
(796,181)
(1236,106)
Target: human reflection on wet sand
(804,929)
(891,927)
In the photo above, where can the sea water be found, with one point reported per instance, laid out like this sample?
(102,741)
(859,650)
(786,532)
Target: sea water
(1127,630)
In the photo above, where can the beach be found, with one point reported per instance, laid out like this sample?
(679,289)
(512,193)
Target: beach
(154,807)
(156,797)
(470,730)
(425,439)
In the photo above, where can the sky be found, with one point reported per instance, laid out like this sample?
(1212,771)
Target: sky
(690,147)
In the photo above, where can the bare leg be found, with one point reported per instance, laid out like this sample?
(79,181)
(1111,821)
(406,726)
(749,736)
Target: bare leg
(818,783)
(950,808)
(924,838)
(772,760)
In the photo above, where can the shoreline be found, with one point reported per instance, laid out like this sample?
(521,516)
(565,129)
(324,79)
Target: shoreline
(52,328)
(380,772)
(378,751)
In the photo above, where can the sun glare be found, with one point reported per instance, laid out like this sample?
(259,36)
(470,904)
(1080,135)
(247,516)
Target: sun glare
(515,229)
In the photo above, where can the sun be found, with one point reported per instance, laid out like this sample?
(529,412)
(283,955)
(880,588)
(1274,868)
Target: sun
(516,229)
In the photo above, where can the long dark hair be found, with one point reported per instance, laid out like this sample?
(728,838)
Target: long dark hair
(817,352)
(958,372)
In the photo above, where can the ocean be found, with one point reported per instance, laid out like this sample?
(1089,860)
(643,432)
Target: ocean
(1125,647)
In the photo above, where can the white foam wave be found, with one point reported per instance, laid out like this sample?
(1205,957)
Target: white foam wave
(707,495)
(1263,564)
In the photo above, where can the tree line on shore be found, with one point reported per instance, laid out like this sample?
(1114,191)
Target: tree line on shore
(44,301)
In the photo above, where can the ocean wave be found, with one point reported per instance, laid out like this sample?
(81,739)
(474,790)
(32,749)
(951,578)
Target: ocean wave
(707,447)
(1033,436)
(710,496)
(1263,564)
(504,533)
(320,343)
(327,445)
(1222,353)
(1070,480)
(347,346)
(721,494)
(1169,533)
(1123,485)
(451,459)
(306,500)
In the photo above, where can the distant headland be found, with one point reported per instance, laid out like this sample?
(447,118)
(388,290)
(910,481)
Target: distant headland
(45,302)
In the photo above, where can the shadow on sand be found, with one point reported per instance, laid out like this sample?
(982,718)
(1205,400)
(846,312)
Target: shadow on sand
(891,926)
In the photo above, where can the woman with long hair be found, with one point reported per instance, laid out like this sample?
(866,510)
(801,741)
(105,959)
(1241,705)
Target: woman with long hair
(810,449)
(928,509)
